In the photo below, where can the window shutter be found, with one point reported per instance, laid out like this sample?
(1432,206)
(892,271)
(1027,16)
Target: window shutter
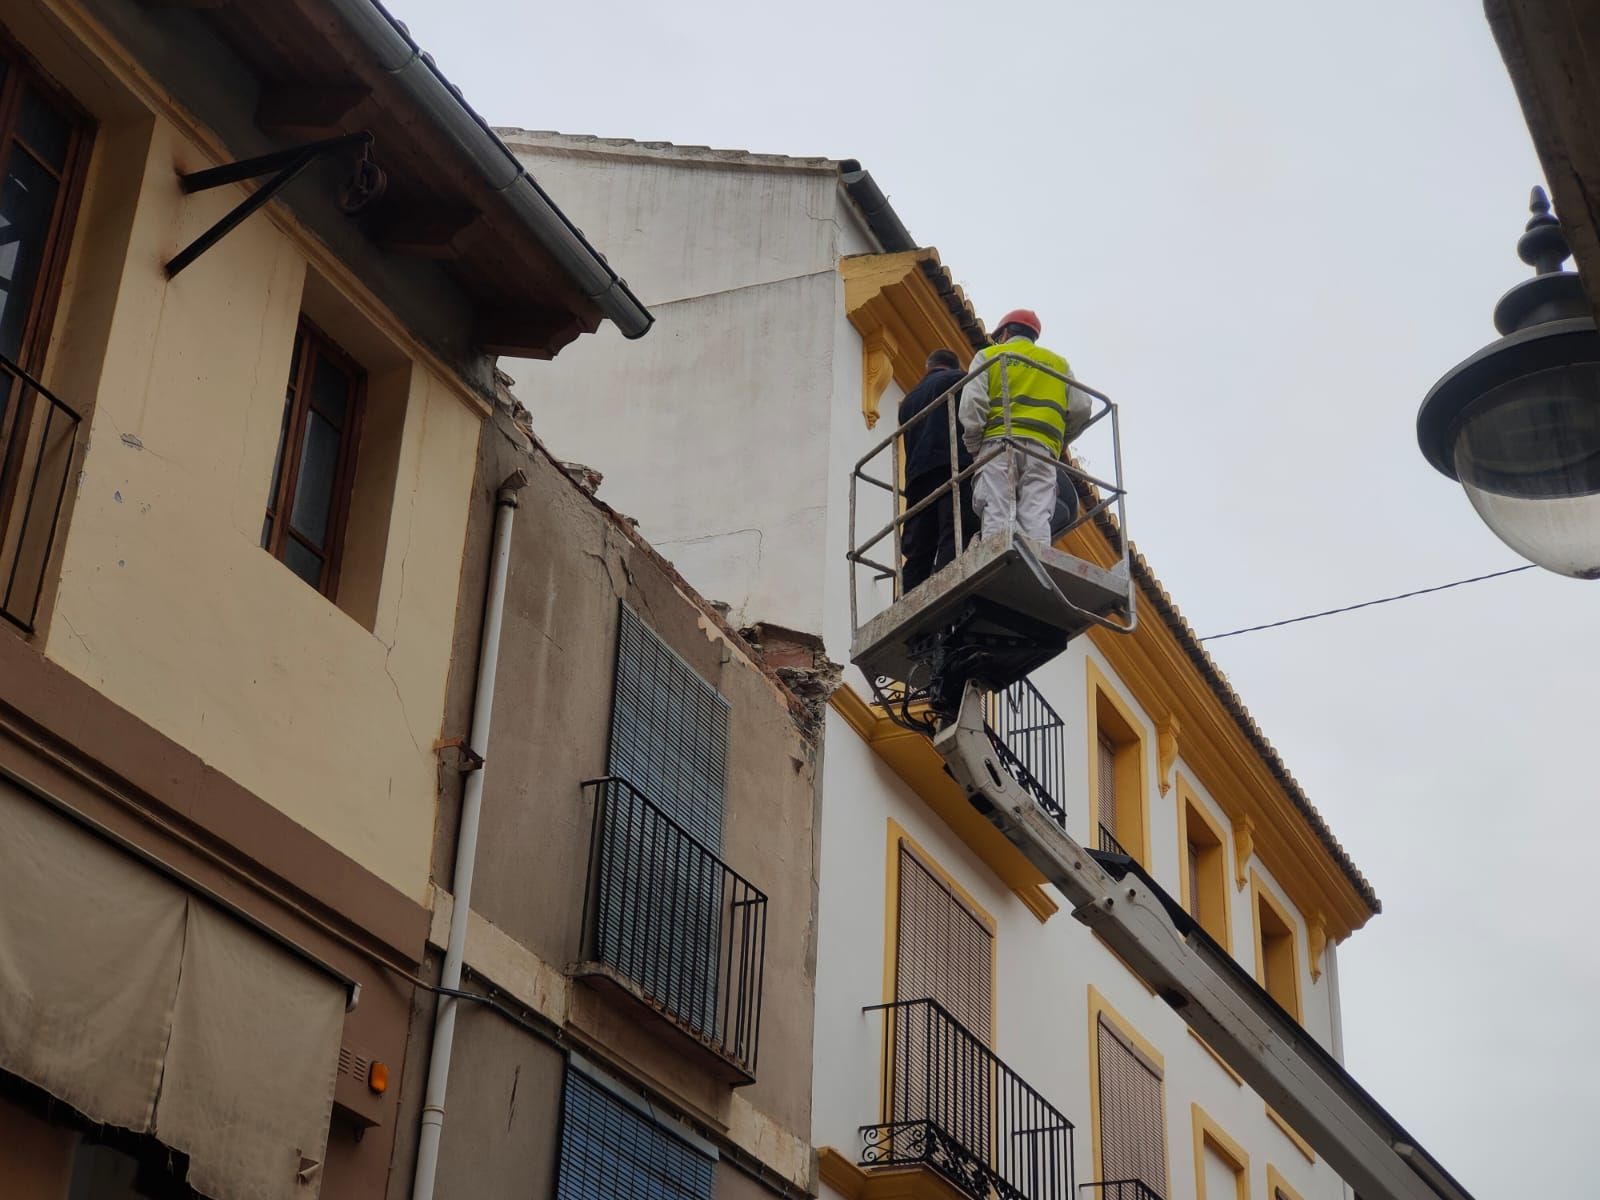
(1194,878)
(1133,1140)
(669,732)
(943,951)
(669,739)
(1108,786)
(611,1152)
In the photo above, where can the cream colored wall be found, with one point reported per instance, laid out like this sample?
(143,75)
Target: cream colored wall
(167,604)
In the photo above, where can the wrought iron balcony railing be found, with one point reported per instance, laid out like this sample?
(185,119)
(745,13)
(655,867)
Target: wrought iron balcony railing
(1030,738)
(688,933)
(952,1106)
(1108,843)
(38,438)
(1120,1189)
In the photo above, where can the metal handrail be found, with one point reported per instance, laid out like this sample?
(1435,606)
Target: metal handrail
(952,1105)
(1108,843)
(668,914)
(38,449)
(1030,738)
(1105,493)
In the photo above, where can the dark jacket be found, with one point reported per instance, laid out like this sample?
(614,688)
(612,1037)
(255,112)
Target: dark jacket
(928,442)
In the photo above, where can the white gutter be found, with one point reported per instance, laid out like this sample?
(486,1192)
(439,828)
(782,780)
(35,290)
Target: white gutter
(444,1021)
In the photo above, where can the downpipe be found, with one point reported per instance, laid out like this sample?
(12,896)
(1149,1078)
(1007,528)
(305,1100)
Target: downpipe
(444,1021)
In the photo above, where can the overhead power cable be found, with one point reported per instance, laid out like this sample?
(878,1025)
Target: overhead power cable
(1368,603)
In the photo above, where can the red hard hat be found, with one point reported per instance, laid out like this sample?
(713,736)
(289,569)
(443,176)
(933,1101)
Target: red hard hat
(1021,316)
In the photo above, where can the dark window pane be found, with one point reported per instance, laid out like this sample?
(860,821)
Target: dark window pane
(46,131)
(27,199)
(266,531)
(302,562)
(330,390)
(313,491)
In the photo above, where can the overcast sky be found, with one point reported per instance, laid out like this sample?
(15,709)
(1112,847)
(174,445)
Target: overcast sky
(1265,229)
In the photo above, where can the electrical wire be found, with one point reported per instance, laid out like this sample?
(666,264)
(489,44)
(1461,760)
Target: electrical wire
(1443,587)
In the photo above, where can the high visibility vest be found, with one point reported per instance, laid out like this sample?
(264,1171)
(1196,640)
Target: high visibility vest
(1038,399)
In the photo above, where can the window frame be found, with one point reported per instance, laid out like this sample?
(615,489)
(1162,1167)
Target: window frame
(1112,717)
(1262,900)
(1208,1133)
(309,342)
(23,70)
(1101,1012)
(1278,1186)
(1192,813)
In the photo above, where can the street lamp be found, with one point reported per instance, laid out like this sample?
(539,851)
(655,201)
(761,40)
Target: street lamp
(1518,423)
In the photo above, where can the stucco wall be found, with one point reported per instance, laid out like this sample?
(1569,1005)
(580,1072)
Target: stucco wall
(715,431)
(571,563)
(166,603)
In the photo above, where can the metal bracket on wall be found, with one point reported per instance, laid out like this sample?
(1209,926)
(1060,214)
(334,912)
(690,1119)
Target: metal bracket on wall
(469,760)
(365,186)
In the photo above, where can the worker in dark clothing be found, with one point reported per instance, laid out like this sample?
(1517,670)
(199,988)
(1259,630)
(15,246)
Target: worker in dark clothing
(928,539)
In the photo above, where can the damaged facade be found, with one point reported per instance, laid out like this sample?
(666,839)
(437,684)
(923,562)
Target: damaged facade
(972,1040)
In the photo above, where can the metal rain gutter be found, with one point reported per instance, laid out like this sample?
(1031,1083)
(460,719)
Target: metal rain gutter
(395,52)
(881,218)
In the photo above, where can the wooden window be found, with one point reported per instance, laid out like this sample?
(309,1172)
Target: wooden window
(315,466)
(1277,963)
(1132,1110)
(1204,867)
(944,951)
(1221,1166)
(43,143)
(1107,785)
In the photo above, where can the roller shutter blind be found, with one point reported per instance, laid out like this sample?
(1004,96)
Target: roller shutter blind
(943,952)
(1107,789)
(661,909)
(669,731)
(609,1151)
(1133,1139)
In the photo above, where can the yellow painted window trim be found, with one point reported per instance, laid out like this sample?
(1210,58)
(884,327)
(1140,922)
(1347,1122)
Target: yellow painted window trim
(1217,1058)
(1287,1130)
(1208,1133)
(916,764)
(1099,1006)
(1277,1183)
(1189,800)
(1260,894)
(1131,754)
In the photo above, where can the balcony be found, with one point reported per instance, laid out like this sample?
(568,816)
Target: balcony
(953,1108)
(671,928)
(1120,1189)
(38,441)
(1030,738)
(1108,844)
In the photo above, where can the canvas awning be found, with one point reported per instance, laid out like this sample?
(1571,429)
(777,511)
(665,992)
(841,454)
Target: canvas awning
(144,1006)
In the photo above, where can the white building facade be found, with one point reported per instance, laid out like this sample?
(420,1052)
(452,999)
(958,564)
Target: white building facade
(1019,1057)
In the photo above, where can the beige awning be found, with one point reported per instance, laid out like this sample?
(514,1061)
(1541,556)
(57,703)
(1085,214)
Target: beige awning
(143,1006)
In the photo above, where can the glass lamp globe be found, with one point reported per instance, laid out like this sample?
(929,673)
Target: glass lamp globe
(1518,423)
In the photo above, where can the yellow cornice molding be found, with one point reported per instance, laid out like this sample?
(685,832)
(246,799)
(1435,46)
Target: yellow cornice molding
(1166,752)
(1244,845)
(912,757)
(901,319)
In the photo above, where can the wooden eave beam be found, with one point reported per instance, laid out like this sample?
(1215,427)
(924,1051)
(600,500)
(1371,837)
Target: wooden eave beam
(297,109)
(423,233)
(532,332)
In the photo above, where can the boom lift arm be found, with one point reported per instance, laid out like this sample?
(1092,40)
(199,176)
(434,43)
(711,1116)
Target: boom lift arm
(1200,980)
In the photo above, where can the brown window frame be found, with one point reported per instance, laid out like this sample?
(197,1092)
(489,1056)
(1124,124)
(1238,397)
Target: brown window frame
(310,342)
(23,71)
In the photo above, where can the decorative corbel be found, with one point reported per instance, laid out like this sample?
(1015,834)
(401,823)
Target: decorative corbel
(1244,845)
(1317,936)
(878,349)
(1166,753)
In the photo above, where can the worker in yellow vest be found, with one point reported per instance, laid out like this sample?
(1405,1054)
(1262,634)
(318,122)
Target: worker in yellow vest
(1018,486)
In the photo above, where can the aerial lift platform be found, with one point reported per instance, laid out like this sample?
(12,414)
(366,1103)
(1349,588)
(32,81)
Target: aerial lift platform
(934,658)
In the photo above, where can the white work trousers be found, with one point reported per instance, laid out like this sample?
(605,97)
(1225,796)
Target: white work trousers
(1015,490)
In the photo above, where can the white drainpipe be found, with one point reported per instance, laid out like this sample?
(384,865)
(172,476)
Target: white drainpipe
(444,1022)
